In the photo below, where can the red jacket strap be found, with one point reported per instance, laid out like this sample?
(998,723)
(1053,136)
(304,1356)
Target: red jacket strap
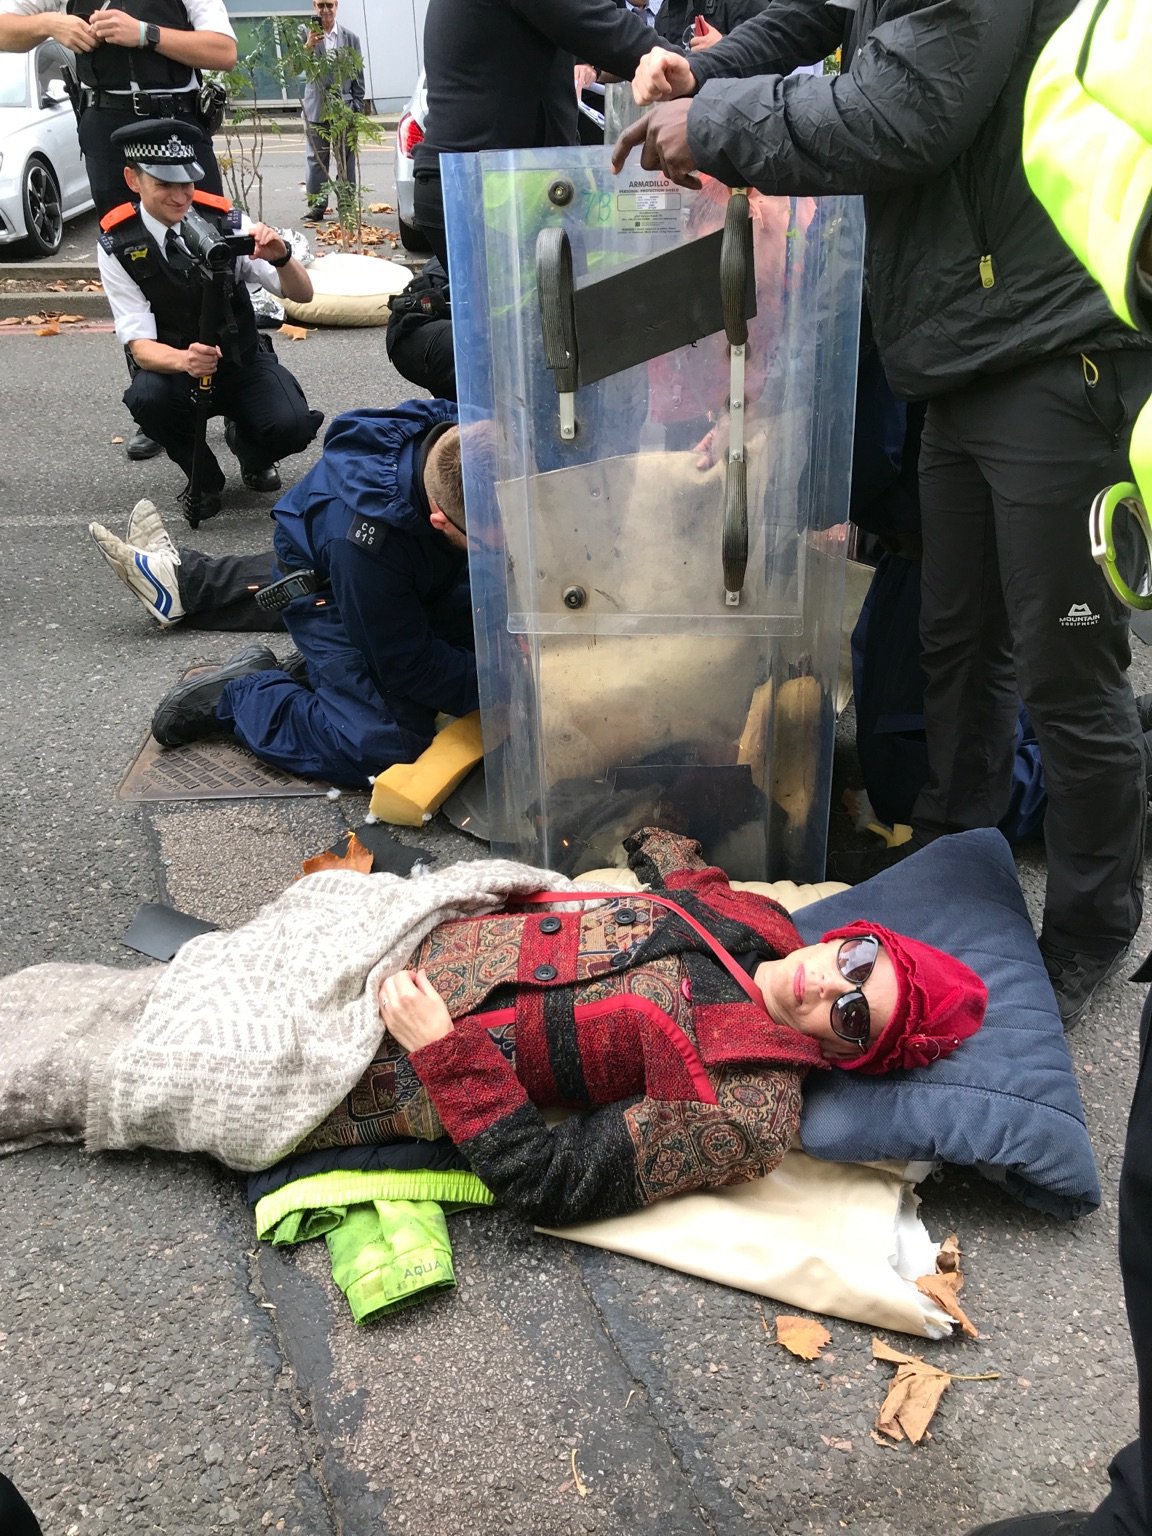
(117,215)
(736,971)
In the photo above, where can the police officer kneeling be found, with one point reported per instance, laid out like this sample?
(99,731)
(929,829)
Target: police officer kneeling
(155,283)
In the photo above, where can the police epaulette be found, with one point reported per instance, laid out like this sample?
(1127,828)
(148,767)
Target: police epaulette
(212,200)
(117,215)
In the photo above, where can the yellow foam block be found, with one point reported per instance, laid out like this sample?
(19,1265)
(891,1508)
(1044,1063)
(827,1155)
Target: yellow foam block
(407,794)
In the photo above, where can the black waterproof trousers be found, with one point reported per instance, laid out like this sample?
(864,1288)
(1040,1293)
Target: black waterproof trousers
(1013,607)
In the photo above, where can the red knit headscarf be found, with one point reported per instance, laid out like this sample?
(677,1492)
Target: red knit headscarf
(939,1002)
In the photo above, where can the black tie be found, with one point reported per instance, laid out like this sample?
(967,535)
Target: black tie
(175,254)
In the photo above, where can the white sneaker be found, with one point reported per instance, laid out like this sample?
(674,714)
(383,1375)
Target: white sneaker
(150,575)
(146,531)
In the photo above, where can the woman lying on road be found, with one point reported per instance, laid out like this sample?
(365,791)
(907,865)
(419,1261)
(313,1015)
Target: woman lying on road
(683,1032)
(680,1021)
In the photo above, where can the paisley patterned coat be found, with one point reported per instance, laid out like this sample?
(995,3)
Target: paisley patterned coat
(620,1012)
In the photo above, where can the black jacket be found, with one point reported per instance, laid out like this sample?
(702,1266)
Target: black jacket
(500,71)
(927,124)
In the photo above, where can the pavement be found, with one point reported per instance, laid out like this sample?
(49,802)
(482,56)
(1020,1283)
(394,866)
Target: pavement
(164,1374)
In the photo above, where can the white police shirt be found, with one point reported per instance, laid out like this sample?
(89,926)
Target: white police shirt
(131,312)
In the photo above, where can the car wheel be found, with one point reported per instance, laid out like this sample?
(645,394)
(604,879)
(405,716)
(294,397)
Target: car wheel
(43,210)
(413,239)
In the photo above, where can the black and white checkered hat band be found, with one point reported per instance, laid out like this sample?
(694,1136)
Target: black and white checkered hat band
(177,151)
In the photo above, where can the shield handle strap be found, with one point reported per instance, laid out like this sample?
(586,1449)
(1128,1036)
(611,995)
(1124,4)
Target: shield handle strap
(556,293)
(735,264)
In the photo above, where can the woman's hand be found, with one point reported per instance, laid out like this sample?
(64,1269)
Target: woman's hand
(412,1011)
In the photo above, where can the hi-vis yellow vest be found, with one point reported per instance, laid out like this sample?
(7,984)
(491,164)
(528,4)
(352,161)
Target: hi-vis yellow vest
(1088,156)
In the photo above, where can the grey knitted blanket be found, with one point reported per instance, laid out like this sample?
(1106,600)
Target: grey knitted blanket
(247,1039)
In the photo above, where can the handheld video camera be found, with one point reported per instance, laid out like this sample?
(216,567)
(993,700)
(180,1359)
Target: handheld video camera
(212,251)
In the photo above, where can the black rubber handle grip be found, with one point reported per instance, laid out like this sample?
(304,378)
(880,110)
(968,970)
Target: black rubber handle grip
(734,547)
(735,265)
(556,292)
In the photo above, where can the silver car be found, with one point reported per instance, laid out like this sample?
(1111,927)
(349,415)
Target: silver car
(42,179)
(409,132)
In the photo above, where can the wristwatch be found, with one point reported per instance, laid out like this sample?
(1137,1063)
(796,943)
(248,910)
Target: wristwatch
(281,261)
(152,35)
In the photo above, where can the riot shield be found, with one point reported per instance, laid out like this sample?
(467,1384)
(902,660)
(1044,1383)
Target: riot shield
(656,390)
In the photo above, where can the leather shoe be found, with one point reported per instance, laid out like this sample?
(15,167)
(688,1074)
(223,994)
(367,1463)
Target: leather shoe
(141,446)
(266,479)
(296,668)
(187,712)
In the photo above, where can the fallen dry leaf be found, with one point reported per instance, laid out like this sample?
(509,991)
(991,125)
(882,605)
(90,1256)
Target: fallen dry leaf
(915,1392)
(294,332)
(355,857)
(913,1398)
(381,208)
(946,1284)
(837,1445)
(803,1336)
(11,320)
(117,439)
(48,330)
(70,319)
(942,1290)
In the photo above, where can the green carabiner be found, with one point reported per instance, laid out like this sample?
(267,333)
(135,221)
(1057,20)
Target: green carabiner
(1100,519)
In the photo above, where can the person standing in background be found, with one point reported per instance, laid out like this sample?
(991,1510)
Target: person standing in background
(324,36)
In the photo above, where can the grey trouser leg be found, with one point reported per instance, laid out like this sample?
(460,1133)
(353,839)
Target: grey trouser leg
(321,150)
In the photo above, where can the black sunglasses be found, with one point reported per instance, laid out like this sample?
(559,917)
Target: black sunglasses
(851,1018)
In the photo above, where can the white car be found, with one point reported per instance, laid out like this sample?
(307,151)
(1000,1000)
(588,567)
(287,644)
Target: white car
(42,178)
(409,132)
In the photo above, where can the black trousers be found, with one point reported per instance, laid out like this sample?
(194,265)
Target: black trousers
(104,161)
(263,399)
(428,212)
(1125,1511)
(1014,607)
(218,591)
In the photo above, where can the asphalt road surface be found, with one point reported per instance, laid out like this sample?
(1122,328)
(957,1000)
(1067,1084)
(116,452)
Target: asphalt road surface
(162,1373)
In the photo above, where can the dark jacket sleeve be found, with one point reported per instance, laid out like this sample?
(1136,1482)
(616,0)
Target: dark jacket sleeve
(356,84)
(595,31)
(779,39)
(387,623)
(614,1159)
(919,90)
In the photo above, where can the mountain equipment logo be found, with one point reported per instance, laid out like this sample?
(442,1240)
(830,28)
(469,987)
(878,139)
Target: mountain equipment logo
(1079,615)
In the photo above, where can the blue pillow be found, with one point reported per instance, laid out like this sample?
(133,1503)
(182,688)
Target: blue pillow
(1006,1101)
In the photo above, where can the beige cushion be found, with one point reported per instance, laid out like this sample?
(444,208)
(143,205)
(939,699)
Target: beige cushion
(816,1235)
(349,290)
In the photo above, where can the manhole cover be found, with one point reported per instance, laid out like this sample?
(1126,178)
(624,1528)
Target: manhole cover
(208,770)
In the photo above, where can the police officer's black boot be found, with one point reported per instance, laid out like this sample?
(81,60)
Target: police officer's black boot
(187,712)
